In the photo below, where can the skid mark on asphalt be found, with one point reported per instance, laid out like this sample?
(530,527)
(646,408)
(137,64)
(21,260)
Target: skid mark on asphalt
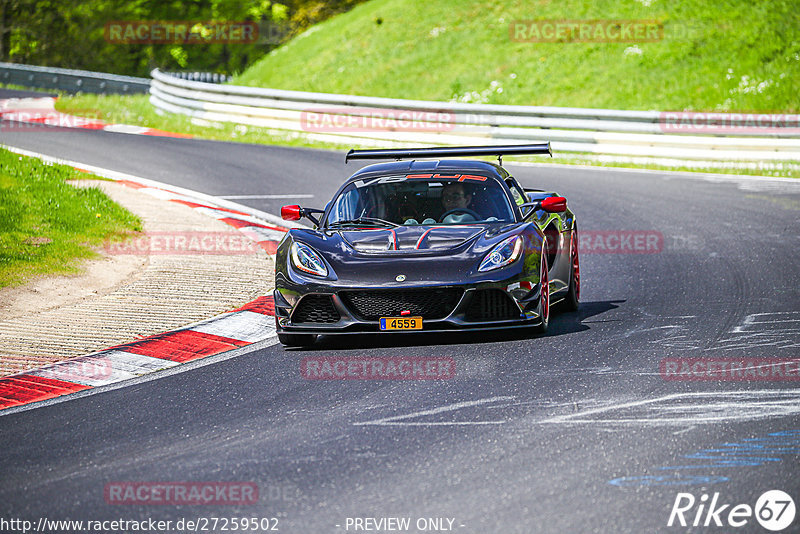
(778,330)
(571,371)
(669,335)
(692,408)
(770,329)
(403,420)
(680,341)
(682,409)
(774,318)
(507,404)
(665,331)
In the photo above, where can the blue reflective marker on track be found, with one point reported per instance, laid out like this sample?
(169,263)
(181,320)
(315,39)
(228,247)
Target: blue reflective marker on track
(749,452)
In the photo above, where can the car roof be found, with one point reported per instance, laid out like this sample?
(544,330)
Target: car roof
(490,169)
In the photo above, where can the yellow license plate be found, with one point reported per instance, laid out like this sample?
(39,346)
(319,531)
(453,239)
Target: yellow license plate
(401,323)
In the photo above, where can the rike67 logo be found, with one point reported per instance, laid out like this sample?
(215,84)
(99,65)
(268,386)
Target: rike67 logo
(774,510)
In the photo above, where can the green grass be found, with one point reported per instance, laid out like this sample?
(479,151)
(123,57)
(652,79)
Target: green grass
(46,225)
(717,55)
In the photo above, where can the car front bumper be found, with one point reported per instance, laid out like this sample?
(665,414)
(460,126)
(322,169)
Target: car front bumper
(512,303)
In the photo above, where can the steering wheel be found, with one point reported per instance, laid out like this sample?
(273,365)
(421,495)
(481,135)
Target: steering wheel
(469,212)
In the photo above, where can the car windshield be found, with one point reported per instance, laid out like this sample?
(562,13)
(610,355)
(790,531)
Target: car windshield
(420,200)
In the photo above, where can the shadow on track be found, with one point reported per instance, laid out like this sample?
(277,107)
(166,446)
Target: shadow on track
(560,324)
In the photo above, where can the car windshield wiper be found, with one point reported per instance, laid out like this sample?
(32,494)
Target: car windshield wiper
(364,221)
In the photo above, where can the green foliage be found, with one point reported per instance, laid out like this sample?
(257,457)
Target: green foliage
(716,55)
(67,34)
(46,224)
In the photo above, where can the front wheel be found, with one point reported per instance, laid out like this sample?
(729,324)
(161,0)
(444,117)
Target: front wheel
(297,340)
(544,297)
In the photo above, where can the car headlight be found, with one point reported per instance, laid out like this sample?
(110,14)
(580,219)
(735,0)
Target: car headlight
(504,253)
(307,260)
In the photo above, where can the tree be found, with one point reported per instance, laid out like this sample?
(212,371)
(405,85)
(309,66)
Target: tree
(59,33)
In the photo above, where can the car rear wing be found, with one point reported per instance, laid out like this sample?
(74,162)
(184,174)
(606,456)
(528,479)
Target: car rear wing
(454,151)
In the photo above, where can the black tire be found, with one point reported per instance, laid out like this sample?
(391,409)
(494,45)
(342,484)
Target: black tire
(297,340)
(572,300)
(544,298)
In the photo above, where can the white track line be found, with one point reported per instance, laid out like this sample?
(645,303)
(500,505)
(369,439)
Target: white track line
(257,197)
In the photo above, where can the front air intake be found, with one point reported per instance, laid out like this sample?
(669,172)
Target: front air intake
(430,304)
(316,309)
(492,305)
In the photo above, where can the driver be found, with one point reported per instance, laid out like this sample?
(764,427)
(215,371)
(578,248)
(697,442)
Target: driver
(457,196)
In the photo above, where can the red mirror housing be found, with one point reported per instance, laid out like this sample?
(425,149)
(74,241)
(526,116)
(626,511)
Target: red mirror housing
(554,204)
(291,213)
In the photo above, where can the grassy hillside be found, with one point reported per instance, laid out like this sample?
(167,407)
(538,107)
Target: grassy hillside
(716,55)
(46,225)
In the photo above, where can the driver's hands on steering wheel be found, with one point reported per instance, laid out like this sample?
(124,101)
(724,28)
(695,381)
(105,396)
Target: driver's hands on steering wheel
(475,216)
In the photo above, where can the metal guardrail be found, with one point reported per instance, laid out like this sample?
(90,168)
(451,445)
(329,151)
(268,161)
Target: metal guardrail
(374,121)
(207,77)
(594,131)
(71,81)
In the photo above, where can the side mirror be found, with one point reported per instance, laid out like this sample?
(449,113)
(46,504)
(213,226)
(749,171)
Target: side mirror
(295,213)
(291,213)
(549,204)
(554,204)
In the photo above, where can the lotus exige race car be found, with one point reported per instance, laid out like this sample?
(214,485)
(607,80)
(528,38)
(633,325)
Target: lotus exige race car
(427,246)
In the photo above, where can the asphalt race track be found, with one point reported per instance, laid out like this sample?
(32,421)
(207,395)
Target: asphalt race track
(576,431)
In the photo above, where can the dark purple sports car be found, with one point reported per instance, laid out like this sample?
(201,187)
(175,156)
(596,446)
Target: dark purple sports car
(421,245)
